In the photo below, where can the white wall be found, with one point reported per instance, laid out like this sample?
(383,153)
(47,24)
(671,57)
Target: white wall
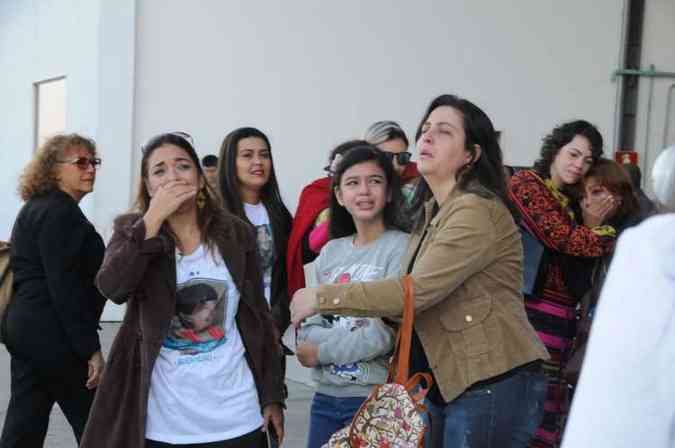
(312,74)
(114,134)
(657,49)
(92,43)
(41,40)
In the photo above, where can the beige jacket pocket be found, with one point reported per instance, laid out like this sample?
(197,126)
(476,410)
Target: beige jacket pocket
(464,321)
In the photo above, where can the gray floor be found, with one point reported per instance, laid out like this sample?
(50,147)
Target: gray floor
(60,435)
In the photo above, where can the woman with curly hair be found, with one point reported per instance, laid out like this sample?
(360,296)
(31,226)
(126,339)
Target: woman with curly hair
(545,199)
(51,327)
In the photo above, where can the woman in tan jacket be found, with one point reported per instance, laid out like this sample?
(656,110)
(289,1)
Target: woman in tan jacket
(466,260)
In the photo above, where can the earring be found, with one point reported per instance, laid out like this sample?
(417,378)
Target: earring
(201,199)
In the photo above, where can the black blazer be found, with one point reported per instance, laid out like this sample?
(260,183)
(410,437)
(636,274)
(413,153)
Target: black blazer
(55,255)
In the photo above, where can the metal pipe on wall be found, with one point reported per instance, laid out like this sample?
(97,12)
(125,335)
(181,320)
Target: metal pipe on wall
(651,73)
(666,126)
(648,120)
(618,101)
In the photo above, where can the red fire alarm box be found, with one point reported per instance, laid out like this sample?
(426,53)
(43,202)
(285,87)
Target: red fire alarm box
(626,157)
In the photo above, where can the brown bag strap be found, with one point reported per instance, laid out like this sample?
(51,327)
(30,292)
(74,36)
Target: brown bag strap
(400,362)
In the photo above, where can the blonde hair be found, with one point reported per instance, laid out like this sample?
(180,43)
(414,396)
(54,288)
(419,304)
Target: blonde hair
(383,131)
(39,176)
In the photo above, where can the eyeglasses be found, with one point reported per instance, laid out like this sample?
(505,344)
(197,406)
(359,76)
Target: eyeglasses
(184,135)
(83,162)
(402,158)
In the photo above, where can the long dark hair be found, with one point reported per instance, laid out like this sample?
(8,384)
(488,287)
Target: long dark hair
(210,217)
(484,175)
(341,221)
(230,191)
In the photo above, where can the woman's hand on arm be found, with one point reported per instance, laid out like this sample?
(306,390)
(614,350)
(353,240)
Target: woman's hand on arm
(303,305)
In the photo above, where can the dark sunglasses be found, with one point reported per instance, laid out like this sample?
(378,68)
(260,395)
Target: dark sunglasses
(184,135)
(402,158)
(83,162)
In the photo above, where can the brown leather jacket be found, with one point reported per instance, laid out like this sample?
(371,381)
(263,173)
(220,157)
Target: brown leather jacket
(467,278)
(142,274)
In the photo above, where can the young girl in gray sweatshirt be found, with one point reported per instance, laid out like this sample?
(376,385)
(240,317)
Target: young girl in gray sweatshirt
(349,355)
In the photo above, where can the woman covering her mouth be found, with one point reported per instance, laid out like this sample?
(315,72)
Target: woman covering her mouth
(196,361)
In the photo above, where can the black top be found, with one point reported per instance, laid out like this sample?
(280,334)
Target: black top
(419,363)
(55,256)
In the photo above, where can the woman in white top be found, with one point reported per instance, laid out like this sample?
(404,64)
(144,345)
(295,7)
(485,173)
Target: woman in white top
(625,393)
(248,185)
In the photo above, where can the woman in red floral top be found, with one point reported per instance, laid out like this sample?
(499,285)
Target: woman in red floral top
(542,196)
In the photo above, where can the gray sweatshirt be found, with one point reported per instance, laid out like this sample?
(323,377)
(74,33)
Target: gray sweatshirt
(353,351)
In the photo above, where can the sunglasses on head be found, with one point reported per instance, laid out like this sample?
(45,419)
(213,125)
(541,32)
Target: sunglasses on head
(83,162)
(402,158)
(184,135)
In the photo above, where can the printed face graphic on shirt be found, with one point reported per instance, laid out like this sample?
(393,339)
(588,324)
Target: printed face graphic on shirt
(265,245)
(265,252)
(197,326)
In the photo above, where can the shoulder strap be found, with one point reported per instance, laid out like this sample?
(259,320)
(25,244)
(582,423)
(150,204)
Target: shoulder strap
(4,261)
(400,363)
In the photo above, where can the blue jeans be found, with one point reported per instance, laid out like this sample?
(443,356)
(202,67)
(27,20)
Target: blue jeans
(329,415)
(500,414)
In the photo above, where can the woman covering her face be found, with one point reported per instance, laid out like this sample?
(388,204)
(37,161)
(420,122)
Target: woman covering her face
(196,359)
(624,396)
(605,178)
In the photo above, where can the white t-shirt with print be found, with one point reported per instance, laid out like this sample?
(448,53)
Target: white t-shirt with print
(202,389)
(260,219)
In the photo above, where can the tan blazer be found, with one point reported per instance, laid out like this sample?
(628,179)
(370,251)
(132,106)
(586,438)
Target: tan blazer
(468,276)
